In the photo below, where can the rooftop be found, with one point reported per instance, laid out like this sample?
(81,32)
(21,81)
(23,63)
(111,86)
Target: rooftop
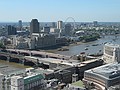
(112,45)
(108,71)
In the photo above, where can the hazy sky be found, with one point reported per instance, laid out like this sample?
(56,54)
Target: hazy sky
(54,10)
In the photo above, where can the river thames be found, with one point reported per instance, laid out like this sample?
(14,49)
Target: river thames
(91,47)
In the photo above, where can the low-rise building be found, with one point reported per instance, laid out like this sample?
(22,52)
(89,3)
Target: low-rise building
(103,77)
(111,53)
(42,41)
(27,79)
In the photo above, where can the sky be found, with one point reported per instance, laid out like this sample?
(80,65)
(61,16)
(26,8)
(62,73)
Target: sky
(54,10)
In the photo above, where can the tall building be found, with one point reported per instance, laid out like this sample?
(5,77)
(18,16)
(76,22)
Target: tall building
(34,26)
(53,25)
(111,53)
(59,25)
(11,30)
(95,23)
(68,29)
(20,25)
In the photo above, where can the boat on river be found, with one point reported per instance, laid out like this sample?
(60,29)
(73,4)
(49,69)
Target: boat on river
(86,48)
(95,44)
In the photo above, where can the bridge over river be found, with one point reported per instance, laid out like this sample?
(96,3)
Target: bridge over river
(21,56)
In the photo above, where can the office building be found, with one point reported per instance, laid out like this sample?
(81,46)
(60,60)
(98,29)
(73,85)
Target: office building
(20,25)
(1,81)
(54,30)
(53,25)
(42,41)
(28,79)
(68,29)
(95,23)
(11,30)
(34,26)
(103,77)
(111,53)
(60,25)
(46,29)
(17,83)
(22,43)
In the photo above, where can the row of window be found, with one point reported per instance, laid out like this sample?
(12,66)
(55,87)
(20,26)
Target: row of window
(33,84)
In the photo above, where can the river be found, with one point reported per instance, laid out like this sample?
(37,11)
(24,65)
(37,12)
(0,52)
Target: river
(77,49)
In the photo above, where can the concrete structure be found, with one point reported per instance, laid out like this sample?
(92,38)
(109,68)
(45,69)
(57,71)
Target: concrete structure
(95,23)
(46,29)
(53,25)
(34,26)
(17,83)
(28,79)
(103,77)
(1,81)
(86,65)
(39,54)
(61,41)
(54,30)
(74,78)
(42,41)
(111,53)
(60,25)
(68,29)
(22,43)
(11,30)
(20,25)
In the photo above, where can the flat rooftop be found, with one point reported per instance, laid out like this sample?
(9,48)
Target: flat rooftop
(52,60)
(108,71)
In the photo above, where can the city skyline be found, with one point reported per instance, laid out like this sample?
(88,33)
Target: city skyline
(54,10)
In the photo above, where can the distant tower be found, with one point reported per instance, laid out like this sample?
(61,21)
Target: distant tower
(68,29)
(53,25)
(59,25)
(20,25)
(34,26)
(95,23)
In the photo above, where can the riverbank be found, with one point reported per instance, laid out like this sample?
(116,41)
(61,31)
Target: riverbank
(11,64)
(63,47)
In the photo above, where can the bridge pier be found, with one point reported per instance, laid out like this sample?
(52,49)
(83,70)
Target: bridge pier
(21,61)
(8,58)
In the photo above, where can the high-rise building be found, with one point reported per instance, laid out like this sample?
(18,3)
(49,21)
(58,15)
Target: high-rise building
(95,23)
(11,30)
(34,26)
(59,25)
(53,25)
(68,29)
(20,25)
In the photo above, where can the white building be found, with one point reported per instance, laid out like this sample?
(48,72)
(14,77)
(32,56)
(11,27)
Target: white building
(1,81)
(17,83)
(22,43)
(28,81)
(111,53)
(60,25)
(54,30)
